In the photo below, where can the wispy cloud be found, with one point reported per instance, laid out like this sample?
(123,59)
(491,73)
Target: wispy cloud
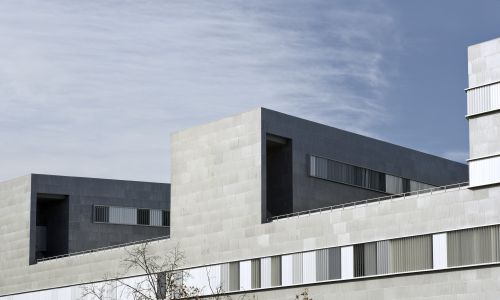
(94,88)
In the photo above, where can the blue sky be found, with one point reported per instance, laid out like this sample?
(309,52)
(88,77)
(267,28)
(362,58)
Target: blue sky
(94,88)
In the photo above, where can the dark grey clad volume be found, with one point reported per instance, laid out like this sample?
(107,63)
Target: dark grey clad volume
(71,200)
(295,139)
(334,263)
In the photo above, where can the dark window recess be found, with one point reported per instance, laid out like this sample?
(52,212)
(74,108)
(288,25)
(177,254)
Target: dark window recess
(365,259)
(143,216)
(279,170)
(165,218)
(101,214)
(406,185)
(52,225)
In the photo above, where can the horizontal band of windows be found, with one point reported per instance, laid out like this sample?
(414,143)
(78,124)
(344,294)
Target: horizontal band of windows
(131,216)
(455,250)
(438,251)
(328,169)
(74,292)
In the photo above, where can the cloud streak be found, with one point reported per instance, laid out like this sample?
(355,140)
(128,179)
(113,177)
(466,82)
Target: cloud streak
(93,88)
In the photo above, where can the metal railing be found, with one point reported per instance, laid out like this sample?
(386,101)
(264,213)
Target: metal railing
(104,248)
(372,200)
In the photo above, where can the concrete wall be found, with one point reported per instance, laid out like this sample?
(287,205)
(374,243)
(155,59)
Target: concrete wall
(484,63)
(85,192)
(15,197)
(484,135)
(317,139)
(216,185)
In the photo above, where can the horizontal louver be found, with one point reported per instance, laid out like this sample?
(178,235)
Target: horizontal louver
(344,173)
(483,99)
(130,216)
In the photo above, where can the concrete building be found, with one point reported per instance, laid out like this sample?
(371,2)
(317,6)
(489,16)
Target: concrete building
(271,205)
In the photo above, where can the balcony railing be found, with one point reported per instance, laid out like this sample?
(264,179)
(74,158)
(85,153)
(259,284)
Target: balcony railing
(445,188)
(104,248)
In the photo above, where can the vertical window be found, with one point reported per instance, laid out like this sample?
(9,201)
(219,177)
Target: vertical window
(365,259)
(101,214)
(410,254)
(297,265)
(276,270)
(334,261)
(255,273)
(321,265)
(143,216)
(382,257)
(234,276)
(155,217)
(473,246)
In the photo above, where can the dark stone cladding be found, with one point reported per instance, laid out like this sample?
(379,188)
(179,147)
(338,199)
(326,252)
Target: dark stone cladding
(321,140)
(83,193)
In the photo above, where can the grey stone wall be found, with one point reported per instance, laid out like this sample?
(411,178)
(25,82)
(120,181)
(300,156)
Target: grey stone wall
(15,197)
(484,135)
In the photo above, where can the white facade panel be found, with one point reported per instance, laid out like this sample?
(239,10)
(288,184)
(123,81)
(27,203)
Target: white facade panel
(347,262)
(265,272)
(483,99)
(155,217)
(393,184)
(309,267)
(286,270)
(484,171)
(245,275)
(122,215)
(439,251)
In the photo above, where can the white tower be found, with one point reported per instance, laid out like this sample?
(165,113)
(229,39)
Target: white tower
(483,113)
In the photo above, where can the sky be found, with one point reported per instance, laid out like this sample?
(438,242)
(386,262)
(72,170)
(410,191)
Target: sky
(94,88)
